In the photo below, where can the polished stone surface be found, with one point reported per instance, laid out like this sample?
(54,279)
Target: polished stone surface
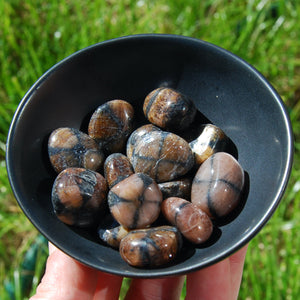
(135,201)
(191,221)
(151,247)
(79,196)
(116,168)
(218,185)
(111,124)
(136,136)
(212,139)
(169,109)
(176,188)
(164,156)
(69,147)
(113,236)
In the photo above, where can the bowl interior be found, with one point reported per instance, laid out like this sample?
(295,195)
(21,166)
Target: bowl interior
(227,91)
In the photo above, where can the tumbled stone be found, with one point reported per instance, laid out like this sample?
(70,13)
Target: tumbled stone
(177,188)
(151,247)
(164,156)
(218,185)
(69,147)
(79,196)
(111,124)
(191,221)
(116,168)
(169,109)
(212,139)
(136,136)
(113,236)
(135,201)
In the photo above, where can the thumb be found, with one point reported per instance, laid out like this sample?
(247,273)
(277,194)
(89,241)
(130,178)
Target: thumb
(65,279)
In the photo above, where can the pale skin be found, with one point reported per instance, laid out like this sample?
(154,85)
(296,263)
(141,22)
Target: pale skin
(67,279)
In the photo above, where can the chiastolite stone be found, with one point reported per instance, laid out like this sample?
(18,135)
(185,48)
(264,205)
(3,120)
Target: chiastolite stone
(111,124)
(176,188)
(169,109)
(135,201)
(116,168)
(218,185)
(212,139)
(135,137)
(69,147)
(78,196)
(164,156)
(113,236)
(191,221)
(151,247)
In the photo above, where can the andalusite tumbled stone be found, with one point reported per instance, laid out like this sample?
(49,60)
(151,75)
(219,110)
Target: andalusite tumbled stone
(212,139)
(135,201)
(136,136)
(217,185)
(162,155)
(111,124)
(117,167)
(70,147)
(151,247)
(169,109)
(113,236)
(191,221)
(177,188)
(79,196)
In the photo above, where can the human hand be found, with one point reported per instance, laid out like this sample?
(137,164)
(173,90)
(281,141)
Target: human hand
(67,279)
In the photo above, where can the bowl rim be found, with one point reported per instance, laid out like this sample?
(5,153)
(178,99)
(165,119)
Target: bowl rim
(226,252)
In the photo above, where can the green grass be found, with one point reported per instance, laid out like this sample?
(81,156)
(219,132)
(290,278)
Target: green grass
(34,35)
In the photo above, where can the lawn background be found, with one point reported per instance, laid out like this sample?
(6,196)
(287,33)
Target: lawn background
(34,35)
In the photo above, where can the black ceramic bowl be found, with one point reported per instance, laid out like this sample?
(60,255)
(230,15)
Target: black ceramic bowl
(229,93)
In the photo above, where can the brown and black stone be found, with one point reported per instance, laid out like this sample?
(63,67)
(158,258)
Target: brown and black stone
(69,147)
(151,247)
(218,185)
(162,155)
(111,124)
(78,196)
(169,109)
